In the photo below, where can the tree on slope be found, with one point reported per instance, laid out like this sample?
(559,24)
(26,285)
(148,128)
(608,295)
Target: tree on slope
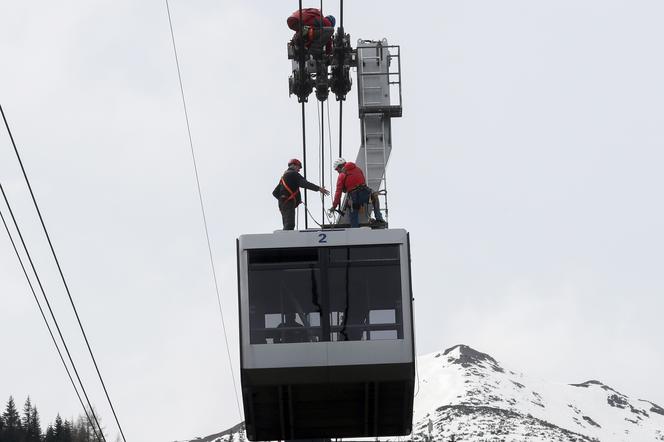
(83,430)
(12,429)
(67,431)
(30,422)
(58,431)
(50,434)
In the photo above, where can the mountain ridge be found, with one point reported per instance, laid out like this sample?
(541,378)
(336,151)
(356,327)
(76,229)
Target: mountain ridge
(464,394)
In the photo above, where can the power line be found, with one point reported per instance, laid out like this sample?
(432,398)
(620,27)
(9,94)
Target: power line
(200,199)
(48,304)
(62,276)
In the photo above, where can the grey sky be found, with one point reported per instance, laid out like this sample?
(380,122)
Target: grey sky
(527,168)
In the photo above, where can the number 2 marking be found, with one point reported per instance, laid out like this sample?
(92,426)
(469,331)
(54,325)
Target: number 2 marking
(322,237)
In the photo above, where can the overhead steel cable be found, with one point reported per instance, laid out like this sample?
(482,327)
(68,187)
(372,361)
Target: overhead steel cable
(62,276)
(321,147)
(304,130)
(341,102)
(341,115)
(48,304)
(48,326)
(304,162)
(329,144)
(205,224)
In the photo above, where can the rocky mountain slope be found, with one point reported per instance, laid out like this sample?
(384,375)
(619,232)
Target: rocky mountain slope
(466,395)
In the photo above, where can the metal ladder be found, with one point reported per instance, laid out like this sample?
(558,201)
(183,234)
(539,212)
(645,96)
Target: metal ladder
(377,74)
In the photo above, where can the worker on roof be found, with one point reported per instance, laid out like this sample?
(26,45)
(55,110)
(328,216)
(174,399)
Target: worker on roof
(351,180)
(288,192)
(312,21)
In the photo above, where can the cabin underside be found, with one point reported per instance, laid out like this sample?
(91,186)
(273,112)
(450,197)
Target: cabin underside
(328,402)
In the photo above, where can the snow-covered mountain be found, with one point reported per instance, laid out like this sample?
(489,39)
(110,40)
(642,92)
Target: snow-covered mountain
(465,395)
(468,394)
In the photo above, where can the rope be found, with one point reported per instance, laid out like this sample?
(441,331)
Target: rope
(312,217)
(55,321)
(48,326)
(202,205)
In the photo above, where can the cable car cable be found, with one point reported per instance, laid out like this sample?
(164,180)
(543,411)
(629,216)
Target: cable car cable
(321,159)
(341,102)
(341,114)
(62,276)
(48,304)
(48,326)
(329,144)
(304,139)
(202,205)
(304,162)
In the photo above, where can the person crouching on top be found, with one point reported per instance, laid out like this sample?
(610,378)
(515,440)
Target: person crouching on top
(351,180)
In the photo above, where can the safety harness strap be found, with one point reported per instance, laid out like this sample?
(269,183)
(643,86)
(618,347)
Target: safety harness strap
(292,194)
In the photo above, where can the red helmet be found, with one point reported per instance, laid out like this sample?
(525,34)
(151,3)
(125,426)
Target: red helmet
(296,162)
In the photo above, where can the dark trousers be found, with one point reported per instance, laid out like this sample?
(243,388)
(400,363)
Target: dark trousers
(288,215)
(359,198)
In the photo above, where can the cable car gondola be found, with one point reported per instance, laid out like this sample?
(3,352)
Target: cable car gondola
(326,333)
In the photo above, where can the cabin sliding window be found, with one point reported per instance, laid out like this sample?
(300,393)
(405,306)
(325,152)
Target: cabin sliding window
(325,294)
(284,287)
(364,289)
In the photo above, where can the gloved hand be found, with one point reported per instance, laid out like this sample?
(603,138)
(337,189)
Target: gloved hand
(305,31)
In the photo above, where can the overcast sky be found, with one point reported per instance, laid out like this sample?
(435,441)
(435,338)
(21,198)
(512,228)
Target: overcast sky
(527,168)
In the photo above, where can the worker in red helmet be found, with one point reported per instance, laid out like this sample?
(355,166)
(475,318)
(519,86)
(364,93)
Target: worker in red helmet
(351,180)
(312,19)
(288,192)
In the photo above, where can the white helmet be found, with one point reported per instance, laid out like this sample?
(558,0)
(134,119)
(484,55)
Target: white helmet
(338,162)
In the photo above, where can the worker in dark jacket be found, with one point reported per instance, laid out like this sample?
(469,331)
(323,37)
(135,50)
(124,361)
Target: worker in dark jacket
(351,180)
(288,192)
(312,20)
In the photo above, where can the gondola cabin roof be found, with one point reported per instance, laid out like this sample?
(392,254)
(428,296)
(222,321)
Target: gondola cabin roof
(322,238)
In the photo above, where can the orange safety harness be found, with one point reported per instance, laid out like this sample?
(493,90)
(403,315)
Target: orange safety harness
(292,194)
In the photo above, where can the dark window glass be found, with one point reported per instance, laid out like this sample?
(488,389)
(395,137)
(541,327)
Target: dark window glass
(284,304)
(365,294)
(363,253)
(333,293)
(309,254)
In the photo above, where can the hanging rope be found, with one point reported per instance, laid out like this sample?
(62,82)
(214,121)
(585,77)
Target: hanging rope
(202,205)
(312,217)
